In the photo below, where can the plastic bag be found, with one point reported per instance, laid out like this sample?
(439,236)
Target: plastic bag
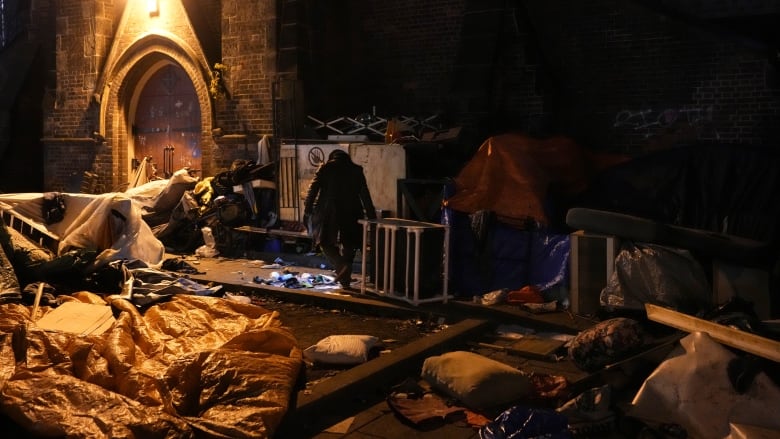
(650,273)
(53,207)
(209,249)
(692,389)
(494,297)
(526,423)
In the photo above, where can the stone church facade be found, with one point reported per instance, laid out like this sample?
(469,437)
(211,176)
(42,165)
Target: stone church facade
(107,54)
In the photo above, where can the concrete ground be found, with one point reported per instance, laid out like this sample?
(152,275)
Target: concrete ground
(352,403)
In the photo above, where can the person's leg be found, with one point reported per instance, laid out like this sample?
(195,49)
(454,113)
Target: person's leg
(329,244)
(332,253)
(351,239)
(345,274)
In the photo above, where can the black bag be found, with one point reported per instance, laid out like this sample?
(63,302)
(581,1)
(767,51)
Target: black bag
(53,208)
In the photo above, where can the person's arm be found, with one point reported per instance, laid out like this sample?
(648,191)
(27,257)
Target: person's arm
(311,195)
(365,198)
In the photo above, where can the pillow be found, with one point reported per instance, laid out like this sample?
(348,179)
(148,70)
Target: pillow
(341,349)
(477,381)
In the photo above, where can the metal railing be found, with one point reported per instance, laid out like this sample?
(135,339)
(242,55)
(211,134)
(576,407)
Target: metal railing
(372,125)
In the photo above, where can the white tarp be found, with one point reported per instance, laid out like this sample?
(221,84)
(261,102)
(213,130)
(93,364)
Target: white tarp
(110,223)
(693,390)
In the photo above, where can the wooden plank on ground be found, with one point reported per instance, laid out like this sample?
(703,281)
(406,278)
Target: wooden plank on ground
(528,346)
(271,232)
(751,343)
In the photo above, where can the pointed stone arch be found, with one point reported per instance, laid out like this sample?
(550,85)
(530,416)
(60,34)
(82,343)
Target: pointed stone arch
(121,83)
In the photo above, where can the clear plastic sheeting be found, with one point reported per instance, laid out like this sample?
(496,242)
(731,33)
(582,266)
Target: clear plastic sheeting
(650,273)
(192,366)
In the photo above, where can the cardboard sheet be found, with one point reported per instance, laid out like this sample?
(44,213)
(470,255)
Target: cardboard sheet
(78,318)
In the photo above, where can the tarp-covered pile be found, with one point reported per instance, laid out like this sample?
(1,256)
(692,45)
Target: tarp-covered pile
(518,177)
(189,367)
(507,208)
(141,354)
(110,224)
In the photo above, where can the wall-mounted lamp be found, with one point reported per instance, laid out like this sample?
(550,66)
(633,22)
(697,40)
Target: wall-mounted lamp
(154,7)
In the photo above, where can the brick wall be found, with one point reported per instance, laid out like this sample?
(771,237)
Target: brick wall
(632,80)
(249,52)
(397,56)
(233,147)
(615,75)
(66,160)
(82,41)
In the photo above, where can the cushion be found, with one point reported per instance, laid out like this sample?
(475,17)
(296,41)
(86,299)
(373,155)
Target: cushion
(475,380)
(341,349)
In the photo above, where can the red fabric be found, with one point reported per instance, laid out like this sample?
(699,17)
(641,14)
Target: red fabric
(527,294)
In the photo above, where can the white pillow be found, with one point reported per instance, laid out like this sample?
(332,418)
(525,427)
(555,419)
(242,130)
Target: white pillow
(341,349)
(478,382)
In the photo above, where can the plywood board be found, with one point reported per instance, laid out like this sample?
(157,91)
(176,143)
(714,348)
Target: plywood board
(383,165)
(536,346)
(528,346)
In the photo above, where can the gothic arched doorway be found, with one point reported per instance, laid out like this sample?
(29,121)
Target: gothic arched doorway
(166,125)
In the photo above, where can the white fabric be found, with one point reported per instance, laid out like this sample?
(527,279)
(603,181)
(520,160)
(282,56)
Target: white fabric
(109,223)
(694,390)
(141,174)
(162,195)
(263,154)
(341,349)
(113,224)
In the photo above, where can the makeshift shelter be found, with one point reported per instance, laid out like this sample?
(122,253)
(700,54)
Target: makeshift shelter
(521,178)
(157,358)
(110,224)
(507,206)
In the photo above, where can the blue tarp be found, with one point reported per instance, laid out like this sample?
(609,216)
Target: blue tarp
(505,256)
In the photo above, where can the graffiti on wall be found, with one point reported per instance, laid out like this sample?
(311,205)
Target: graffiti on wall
(651,122)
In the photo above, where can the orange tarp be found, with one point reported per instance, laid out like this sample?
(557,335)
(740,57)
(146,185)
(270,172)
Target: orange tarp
(512,174)
(193,366)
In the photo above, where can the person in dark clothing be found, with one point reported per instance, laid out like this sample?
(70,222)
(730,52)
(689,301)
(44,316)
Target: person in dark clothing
(337,198)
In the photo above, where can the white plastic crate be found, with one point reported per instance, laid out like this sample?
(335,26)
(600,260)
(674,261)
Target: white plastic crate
(405,259)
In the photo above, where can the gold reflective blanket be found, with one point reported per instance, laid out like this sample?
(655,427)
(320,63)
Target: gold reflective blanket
(193,366)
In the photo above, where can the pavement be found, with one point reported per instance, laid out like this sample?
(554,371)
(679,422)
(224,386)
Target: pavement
(353,403)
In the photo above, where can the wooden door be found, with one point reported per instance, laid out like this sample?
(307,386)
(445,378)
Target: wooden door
(167,123)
